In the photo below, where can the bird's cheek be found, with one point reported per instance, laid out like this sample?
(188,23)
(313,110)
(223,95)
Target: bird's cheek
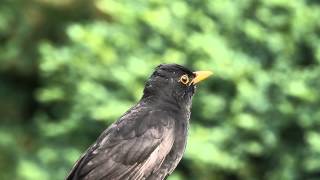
(192,89)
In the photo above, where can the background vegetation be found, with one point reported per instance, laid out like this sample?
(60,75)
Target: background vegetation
(69,68)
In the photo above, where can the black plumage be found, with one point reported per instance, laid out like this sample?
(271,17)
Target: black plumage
(148,141)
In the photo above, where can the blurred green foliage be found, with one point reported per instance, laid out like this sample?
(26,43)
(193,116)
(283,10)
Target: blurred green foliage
(70,68)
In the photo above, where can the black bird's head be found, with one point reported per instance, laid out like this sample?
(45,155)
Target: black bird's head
(174,83)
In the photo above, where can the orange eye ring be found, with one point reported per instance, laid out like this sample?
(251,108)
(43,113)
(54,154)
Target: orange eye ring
(184,79)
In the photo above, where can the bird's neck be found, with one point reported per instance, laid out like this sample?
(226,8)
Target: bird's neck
(168,102)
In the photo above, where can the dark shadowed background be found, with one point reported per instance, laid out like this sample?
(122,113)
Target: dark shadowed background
(69,68)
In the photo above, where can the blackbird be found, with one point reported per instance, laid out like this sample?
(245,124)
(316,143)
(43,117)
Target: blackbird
(148,141)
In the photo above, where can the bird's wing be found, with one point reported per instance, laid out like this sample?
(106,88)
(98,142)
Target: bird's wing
(132,148)
(172,159)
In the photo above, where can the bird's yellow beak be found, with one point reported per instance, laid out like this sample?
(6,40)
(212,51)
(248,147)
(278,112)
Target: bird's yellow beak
(200,75)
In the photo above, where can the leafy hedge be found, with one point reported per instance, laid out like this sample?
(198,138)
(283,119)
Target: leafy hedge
(70,68)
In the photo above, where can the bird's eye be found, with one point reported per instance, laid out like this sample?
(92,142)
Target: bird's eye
(184,79)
